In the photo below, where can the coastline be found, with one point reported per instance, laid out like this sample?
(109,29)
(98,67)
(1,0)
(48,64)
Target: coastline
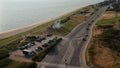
(13,32)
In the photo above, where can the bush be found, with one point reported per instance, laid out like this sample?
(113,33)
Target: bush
(12,46)
(5,62)
(23,43)
(91,51)
(40,56)
(43,53)
(111,38)
(31,38)
(3,53)
(65,20)
(28,65)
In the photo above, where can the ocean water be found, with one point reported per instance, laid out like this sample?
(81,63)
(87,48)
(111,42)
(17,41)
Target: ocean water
(20,13)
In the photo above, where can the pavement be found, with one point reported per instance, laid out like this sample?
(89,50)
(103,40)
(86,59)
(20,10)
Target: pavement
(70,53)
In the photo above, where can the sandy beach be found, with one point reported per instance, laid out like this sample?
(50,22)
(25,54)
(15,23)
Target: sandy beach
(23,29)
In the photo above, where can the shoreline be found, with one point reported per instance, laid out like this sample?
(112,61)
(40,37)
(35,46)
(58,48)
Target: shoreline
(13,32)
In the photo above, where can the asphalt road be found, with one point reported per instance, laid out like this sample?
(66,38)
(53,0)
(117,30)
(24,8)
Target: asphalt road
(70,53)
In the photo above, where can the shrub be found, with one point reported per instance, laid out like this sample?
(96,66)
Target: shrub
(3,53)
(5,62)
(28,65)
(111,38)
(65,20)
(40,56)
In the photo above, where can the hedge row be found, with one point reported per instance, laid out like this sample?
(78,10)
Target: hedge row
(5,62)
(3,53)
(28,65)
(43,53)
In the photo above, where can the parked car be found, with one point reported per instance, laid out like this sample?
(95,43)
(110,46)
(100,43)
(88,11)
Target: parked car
(55,38)
(30,44)
(45,45)
(27,46)
(23,47)
(50,41)
(40,39)
(49,35)
(38,49)
(28,52)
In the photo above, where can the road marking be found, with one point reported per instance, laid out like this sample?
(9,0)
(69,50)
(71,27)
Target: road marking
(56,65)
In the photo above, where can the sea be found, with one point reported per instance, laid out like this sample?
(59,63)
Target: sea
(15,14)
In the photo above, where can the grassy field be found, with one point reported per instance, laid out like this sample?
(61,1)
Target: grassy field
(106,22)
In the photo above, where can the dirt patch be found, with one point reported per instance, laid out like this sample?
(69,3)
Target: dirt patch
(97,31)
(118,14)
(117,26)
(19,56)
(104,56)
(107,16)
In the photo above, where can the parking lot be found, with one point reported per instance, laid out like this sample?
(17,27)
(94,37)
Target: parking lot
(20,56)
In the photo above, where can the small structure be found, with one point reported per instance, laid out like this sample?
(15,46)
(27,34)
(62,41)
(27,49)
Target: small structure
(56,25)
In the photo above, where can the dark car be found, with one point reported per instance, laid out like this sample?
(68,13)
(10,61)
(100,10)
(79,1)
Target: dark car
(45,45)
(84,39)
(40,39)
(49,35)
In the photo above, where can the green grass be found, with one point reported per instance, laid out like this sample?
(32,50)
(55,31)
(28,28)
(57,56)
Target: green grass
(106,22)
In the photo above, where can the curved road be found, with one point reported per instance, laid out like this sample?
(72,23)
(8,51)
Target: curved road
(70,53)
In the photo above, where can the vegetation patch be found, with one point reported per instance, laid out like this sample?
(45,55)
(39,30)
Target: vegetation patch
(5,62)
(107,22)
(3,53)
(104,49)
(111,37)
(27,65)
